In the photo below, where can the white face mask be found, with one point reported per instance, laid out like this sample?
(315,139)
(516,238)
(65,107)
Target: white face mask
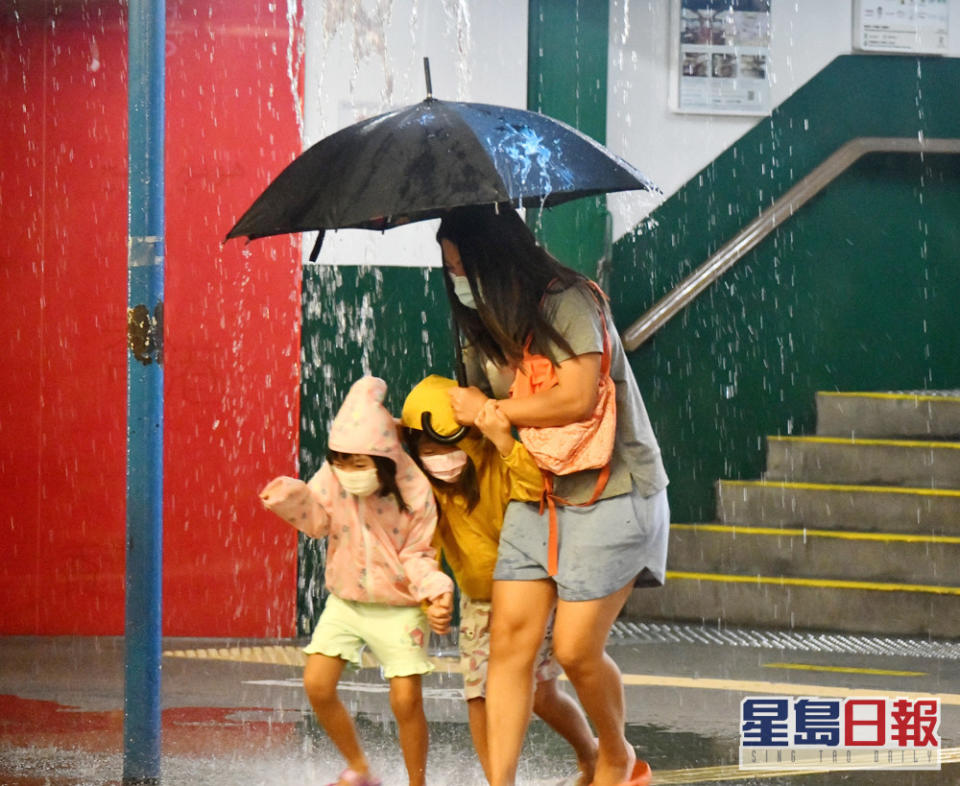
(461,288)
(447,467)
(360,482)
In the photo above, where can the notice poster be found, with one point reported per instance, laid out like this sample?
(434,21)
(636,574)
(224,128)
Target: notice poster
(723,56)
(907,26)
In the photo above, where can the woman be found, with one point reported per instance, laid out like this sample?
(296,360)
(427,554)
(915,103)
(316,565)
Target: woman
(503,289)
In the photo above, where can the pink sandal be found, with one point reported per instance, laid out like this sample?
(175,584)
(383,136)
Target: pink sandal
(354,778)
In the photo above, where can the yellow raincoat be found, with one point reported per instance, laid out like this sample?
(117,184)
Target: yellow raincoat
(470,539)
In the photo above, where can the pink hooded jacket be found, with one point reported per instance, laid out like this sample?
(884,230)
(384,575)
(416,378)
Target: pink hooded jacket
(375,552)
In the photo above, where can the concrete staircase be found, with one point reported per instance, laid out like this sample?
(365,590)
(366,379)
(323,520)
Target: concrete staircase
(856,529)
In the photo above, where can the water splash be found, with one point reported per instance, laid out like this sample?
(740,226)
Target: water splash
(296,47)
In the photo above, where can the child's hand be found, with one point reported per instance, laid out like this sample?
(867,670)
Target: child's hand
(496,427)
(277,489)
(440,613)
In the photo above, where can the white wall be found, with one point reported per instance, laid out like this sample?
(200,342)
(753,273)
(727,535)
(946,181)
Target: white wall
(364,57)
(670,147)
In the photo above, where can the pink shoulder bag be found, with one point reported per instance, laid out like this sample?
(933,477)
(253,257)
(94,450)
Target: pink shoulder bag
(562,450)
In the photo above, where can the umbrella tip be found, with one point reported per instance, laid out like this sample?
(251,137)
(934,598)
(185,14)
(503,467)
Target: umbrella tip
(426,74)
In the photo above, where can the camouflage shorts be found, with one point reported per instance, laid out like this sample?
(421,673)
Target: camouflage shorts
(475,649)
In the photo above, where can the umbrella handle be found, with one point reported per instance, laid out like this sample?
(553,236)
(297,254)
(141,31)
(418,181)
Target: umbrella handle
(459,367)
(426,420)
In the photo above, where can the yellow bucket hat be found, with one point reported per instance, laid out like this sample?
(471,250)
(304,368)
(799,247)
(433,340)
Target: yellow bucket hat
(430,395)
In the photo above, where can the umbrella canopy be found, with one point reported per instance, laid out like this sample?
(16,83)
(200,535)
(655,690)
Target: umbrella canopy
(416,162)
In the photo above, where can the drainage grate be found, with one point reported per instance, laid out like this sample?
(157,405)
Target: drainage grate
(626,632)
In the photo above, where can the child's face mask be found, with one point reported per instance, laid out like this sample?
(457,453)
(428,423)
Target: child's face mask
(447,467)
(359,482)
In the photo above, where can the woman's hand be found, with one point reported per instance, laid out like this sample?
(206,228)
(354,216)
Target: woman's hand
(440,613)
(467,403)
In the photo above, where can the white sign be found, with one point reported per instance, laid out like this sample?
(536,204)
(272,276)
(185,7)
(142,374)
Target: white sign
(907,26)
(722,56)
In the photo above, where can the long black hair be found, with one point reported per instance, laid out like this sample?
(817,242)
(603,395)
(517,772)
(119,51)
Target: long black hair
(509,274)
(386,474)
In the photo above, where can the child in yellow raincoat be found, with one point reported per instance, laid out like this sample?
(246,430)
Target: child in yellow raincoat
(473,480)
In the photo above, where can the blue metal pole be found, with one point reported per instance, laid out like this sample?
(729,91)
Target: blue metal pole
(145,261)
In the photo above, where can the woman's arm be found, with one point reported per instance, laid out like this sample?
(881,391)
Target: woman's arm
(573,398)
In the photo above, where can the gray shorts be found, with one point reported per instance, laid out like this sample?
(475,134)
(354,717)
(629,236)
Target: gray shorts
(602,547)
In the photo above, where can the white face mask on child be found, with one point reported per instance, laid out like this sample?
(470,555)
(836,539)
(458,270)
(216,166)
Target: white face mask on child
(360,483)
(447,467)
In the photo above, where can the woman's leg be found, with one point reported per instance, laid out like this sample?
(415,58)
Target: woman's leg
(520,613)
(406,701)
(477,715)
(320,678)
(564,716)
(579,636)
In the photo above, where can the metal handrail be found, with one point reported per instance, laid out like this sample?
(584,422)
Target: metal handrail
(751,235)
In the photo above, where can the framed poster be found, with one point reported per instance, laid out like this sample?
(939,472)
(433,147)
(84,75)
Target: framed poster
(906,26)
(721,57)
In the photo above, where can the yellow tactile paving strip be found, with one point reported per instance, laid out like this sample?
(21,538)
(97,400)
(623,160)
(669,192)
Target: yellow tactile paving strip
(293,656)
(281,655)
(844,669)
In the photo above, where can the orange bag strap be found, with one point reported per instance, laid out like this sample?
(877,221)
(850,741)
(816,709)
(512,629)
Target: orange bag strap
(602,298)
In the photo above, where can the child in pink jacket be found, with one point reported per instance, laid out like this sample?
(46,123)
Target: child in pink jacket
(376,509)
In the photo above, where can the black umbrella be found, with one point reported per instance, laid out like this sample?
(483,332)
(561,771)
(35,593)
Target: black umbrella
(417,162)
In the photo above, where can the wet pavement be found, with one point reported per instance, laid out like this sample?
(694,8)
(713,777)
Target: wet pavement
(235,712)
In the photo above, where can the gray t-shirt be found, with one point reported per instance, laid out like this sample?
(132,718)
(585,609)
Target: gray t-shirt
(574,314)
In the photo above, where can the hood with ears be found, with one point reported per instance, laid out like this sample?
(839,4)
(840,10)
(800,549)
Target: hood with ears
(363,424)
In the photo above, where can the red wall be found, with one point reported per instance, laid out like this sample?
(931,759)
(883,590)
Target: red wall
(232,316)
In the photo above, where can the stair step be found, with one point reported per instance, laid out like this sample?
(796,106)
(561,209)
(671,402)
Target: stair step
(814,553)
(905,414)
(813,604)
(838,506)
(888,462)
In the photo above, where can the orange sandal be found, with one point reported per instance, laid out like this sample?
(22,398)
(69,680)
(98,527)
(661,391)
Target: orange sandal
(640,776)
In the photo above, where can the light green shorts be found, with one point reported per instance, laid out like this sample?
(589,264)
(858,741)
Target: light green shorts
(396,635)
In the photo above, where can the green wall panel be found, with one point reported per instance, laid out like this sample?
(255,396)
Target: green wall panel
(567,79)
(858,291)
